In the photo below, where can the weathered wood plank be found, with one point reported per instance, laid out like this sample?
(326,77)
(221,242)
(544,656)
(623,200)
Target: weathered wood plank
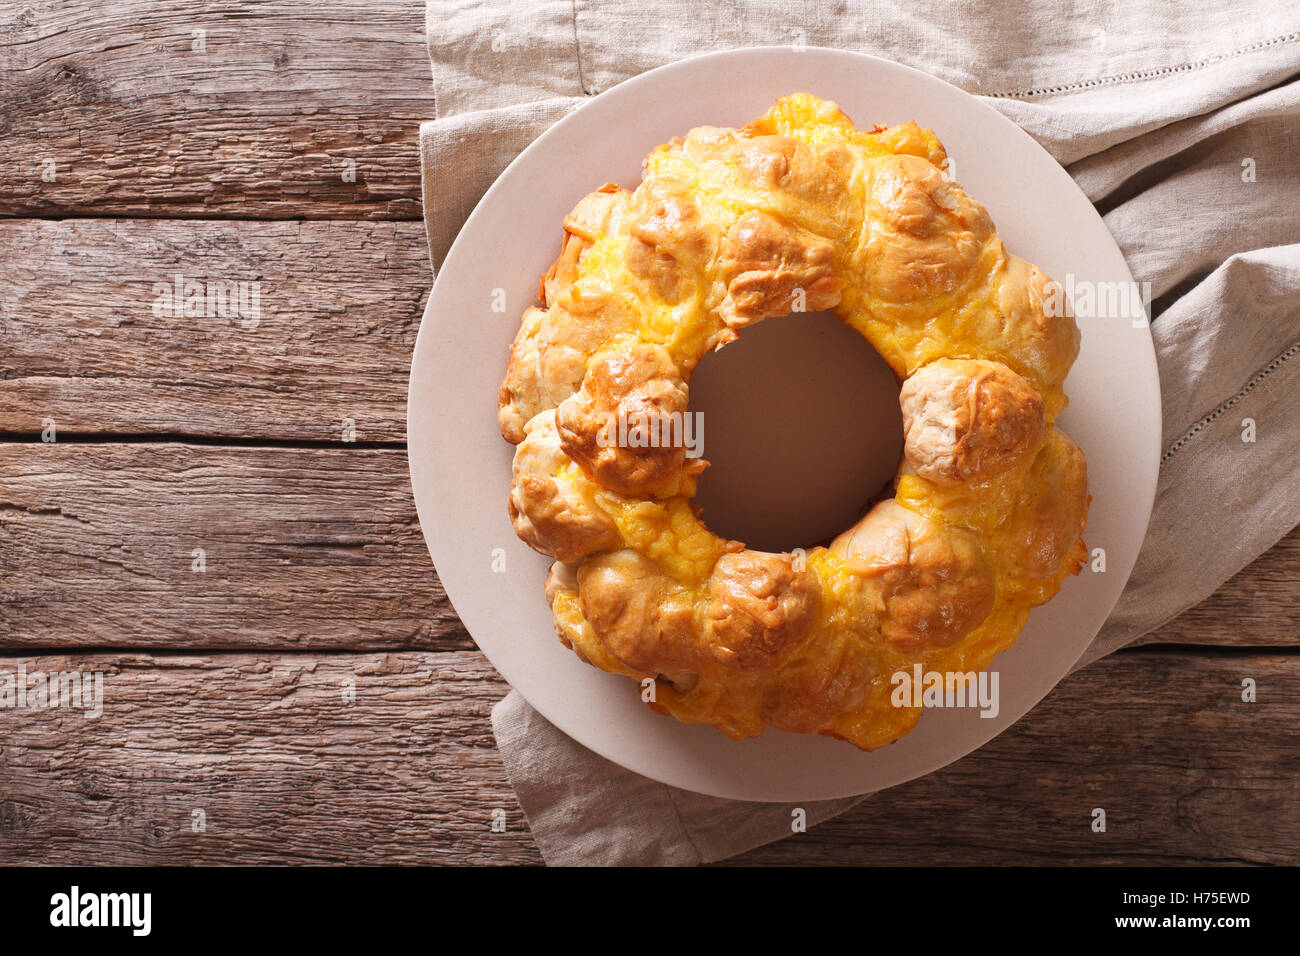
(1259,606)
(257,116)
(1186,772)
(270,754)
(327,318)
(302,548)
(287,770)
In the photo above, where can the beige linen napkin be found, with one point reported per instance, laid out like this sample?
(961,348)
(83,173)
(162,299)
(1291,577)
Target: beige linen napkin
(1181,122)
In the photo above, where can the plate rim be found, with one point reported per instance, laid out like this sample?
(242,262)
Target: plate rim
(557,129)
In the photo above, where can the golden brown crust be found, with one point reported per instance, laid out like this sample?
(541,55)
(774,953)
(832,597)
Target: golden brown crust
(625,427)
(760,608)
(931,584)
(808,695)
(668,239)
(924,235)
(639,613)
(1048,530)
(799,211)
(550,353)
(771,268)
(968,420)
(1037,340)
(552,515)
(595,214)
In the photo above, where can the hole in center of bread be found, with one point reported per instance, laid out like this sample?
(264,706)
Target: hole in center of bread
(802,431)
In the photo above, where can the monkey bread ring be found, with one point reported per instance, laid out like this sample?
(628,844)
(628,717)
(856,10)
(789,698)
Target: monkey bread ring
(798,211)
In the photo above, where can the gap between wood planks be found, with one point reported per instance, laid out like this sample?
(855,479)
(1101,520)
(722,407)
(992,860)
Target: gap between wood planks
(74,215)
(14,653)
(109,438)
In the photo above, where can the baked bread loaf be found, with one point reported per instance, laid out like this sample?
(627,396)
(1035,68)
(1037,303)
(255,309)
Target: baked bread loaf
(799,211)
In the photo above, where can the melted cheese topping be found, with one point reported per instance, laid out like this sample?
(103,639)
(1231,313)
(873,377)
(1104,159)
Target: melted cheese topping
(924,277)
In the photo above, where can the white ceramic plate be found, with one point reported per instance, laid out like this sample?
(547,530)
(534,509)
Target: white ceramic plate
(460,466)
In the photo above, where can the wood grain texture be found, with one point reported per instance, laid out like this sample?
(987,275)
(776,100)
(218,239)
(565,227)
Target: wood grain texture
(303,548)
(1186,772)
(316,573)
(258,123)
(286,770)
(328,336)
(282,765)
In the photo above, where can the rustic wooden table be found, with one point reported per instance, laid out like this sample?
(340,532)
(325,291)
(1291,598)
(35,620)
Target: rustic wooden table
(284,678)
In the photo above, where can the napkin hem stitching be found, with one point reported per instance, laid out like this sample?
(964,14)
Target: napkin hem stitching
(1140,75)
(1249,387)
